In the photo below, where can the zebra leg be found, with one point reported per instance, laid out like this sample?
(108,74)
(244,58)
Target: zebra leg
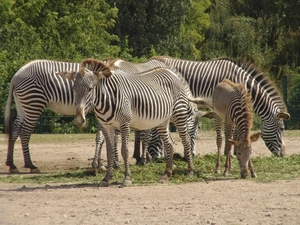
(109,137)
(163,134)
(25,134)
(185,138)
(234,137)
(115,152)
(13,135)
(137,144)
(125,130)
(97,163)
(228,130)
(145,137)
(193,129)
(251,168)
(218,128)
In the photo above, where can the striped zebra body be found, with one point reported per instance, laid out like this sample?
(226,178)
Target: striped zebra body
(203,77)
(34,87)
(154,147)
(123,101)
(153,143)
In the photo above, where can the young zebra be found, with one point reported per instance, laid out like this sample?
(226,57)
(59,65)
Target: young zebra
(232,103)
(123,101)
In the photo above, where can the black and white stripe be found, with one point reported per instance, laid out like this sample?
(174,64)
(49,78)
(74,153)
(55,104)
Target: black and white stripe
(140,101)
(202,78)
(34,87)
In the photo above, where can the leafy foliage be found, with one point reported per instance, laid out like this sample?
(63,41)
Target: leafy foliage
(263,31)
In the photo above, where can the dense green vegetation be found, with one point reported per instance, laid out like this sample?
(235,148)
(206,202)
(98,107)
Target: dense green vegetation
(265,32)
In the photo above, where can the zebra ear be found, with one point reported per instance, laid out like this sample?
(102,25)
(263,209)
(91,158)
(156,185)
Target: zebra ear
(103,74)
(67,75)
(283,115)
(254,137)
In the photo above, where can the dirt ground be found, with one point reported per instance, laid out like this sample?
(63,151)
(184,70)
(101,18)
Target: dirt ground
(215,203)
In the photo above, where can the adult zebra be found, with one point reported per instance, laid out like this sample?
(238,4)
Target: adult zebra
(34,87)
(123,101)
(154,146)
(202,78)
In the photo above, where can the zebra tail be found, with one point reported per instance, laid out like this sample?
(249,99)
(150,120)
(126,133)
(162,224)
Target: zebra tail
(8,116)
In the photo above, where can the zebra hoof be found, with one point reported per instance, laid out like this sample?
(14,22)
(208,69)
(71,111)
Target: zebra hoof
(35,170)
(126,183)
(103,183)
(15,170)
(164,179)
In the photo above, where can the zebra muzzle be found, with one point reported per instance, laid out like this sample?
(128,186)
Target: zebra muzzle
(80,117)
(244,173)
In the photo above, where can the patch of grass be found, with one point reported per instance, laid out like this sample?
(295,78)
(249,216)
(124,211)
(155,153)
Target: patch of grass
(268,169)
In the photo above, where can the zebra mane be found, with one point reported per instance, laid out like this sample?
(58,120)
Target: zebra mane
(96,66)
(160,58)
(246,105)
(261,79)
(110,60)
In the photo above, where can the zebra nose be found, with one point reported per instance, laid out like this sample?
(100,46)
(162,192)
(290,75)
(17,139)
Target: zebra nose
(282,153)
(244,173)
(80,117)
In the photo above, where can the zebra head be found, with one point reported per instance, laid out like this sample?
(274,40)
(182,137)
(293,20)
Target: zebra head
(272,133)
(84,85)
(243,152)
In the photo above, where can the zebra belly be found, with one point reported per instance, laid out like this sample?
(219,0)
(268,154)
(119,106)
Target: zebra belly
(62,109)
(142,124)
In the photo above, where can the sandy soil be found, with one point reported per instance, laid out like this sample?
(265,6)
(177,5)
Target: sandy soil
(216,202)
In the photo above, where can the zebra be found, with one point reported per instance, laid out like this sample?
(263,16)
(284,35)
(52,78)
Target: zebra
(155,143)
(34,87)
(203,76)
(232,103)
(140,102)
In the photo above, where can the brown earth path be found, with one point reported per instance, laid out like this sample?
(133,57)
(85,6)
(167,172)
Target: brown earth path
(217,202)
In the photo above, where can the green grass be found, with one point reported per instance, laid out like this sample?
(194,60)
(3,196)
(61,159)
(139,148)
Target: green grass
(268,169)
